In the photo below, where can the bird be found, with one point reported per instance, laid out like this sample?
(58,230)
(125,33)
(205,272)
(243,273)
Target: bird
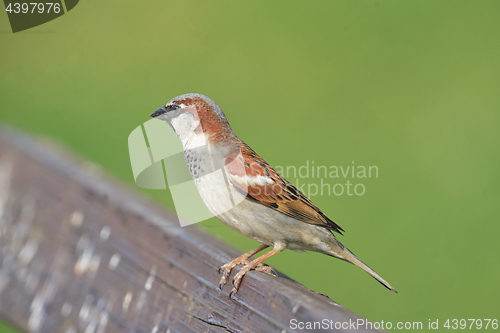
(261,204)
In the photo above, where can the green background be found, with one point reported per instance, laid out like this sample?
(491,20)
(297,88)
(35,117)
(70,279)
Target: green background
(412,87)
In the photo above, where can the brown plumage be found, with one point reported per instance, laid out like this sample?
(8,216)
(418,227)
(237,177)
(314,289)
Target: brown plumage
(280,195)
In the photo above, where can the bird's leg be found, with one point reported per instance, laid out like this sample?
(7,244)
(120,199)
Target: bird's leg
(243,259)
(251,266)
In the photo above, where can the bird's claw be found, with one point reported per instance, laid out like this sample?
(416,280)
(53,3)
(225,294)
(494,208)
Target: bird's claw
(223,279)
(266,269)
(239,276)
(226,270)
(248,266)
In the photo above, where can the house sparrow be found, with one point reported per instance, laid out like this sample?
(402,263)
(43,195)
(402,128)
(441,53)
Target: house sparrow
(250,196)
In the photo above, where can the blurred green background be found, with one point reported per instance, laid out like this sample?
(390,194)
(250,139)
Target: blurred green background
(412,87)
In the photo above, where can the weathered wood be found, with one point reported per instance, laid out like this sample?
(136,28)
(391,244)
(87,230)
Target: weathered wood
(80,253)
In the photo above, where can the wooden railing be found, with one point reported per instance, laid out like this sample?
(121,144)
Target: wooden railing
(81,253)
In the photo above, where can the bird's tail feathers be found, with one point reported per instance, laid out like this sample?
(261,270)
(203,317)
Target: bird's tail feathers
(348,256)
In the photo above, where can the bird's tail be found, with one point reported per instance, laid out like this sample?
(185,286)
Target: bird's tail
(348,256)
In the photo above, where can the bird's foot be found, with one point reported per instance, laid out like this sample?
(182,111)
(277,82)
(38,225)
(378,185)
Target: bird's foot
(247,268)
(227,268)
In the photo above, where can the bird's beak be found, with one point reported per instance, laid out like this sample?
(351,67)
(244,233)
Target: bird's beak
(158,112)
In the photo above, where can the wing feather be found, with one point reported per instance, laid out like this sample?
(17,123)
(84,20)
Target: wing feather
(261,183)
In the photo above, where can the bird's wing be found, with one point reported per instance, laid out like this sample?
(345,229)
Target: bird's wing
(250,174)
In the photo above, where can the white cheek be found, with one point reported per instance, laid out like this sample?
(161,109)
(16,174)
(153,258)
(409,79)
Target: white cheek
(185,126)
(183,123)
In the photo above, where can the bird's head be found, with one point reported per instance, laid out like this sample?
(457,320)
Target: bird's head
(193,114)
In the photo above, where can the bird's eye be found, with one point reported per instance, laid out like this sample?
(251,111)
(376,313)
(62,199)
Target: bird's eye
(171,107)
